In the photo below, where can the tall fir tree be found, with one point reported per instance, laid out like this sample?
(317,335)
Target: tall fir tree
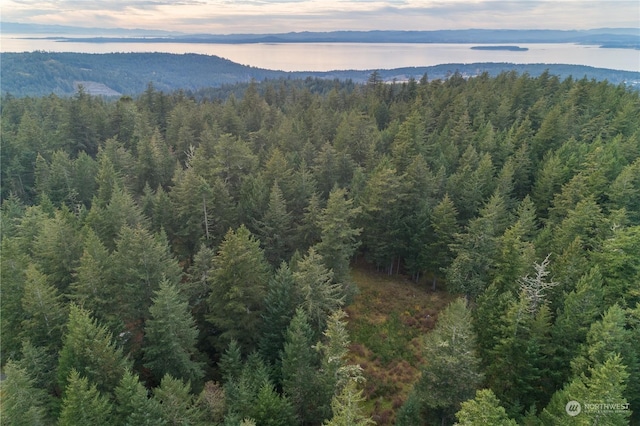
(484,409)
(300,380)
(83,404)
(603,382)
(238,285)
(451,372)
(338,234)
(281,302)
(177,404)
(320,295)
(275,228)
(89,350)
(170,337)
(133,405)
(23,403)
(44,310)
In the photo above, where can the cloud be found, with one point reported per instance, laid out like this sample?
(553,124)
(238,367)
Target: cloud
(226,16)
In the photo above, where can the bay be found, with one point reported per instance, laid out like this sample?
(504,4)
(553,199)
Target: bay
(351,56)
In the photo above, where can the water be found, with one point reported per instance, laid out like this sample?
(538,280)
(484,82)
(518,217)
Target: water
(344,56)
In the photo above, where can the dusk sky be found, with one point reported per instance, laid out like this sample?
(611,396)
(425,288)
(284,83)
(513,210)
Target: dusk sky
(275,16)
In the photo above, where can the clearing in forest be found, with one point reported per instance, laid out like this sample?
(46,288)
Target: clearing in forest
(387,320)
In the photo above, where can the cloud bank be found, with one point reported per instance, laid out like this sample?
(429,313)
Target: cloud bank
(271,16)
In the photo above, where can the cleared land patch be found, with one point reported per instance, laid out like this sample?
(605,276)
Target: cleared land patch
(387,320)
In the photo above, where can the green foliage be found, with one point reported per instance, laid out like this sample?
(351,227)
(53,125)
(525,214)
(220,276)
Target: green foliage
(44,312)
(140,263)
(338,236)
(451,372)
(271,409)
(520,373)
(274,229)
(320,295)
(134,407)
(281,302)
(88,351)
(347,407)
(177,404)
(238,285)
(22,401)
(300,381)
(13,266)
(468,179)
(476,250)
(83,404)
(170,337)
(251,394)
(231,362)
(484,409)
(604,383)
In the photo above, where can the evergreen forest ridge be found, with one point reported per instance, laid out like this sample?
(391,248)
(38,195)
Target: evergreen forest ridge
(115,74)
(447,250)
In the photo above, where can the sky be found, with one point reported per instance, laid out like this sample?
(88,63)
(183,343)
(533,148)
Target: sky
(278,16)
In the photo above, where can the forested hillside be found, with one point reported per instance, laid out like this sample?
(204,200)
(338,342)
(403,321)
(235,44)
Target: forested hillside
(168,259)
(114,74)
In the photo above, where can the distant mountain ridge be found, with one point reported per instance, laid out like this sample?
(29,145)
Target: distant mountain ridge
(609,37)
(43,73)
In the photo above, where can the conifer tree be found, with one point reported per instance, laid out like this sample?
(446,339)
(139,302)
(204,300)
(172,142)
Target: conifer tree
(581,308)
(334,347)
(300,381)
(92,287)
(380,200)
(134,406)
(445,226)
(347,407)
(83,404)
(484,409)
(88,349)
(519,371)
(604,382)
(281,302)
(177,405)
(231,362)
(58,248)
(22,401)
(338,235)
(451,372)
(476,250)
(170,337)
(275,228)
(242,393)
(619,262)
(44,311)
(271,409)
(238,285)
(139,264)
(121,211)
(320,295)
(40,364)
(606,338)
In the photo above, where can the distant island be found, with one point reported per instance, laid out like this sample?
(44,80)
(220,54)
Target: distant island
(625,38)
(509,48)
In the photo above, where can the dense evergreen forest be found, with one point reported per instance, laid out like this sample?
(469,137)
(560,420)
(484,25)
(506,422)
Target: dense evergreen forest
(173,259)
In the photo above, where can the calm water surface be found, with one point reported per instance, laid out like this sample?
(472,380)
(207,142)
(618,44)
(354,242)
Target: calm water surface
(342,56)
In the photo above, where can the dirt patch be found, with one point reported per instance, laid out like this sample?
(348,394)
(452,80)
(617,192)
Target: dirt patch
(387,321)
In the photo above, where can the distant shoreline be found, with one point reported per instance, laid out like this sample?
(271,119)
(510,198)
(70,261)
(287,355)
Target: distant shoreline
(509,48)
